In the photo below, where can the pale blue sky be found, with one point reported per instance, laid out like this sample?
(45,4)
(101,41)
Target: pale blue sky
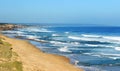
(61,11)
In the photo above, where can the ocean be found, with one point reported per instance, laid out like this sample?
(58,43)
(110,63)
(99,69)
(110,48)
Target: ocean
(94,48)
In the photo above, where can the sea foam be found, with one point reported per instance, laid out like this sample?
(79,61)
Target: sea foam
(64,49)
(92,36)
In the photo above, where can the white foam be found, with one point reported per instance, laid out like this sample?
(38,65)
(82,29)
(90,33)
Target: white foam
(114,58)
(33,29)
(31,37)
(67,32)
(117,48)
(78,38)
(114,38)
(102,39)
(64,49)
(92,36)
(55,35)
(57,43)
(91,45)
(38,40)
(91,68)
(99,45)
(111,56)
(13,32)
(109,39)
(75,43)
(87,39)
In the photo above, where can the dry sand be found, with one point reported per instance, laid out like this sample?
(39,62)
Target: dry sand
(35,60)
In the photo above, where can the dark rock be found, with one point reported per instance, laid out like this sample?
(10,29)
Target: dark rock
(5,26)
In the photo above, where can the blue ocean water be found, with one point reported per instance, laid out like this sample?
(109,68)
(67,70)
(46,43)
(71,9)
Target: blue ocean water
(95,48)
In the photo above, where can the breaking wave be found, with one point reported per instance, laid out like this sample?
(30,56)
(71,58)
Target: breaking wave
(64,49)
(33,29)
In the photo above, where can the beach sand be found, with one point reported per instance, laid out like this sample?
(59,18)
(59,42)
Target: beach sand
(35,60)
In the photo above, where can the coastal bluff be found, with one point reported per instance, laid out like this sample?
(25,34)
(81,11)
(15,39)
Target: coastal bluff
(7,26)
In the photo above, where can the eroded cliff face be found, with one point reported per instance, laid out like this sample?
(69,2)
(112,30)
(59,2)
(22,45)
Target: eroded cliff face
(4,26)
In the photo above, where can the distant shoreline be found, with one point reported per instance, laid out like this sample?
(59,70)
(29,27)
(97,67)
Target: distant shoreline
(7,26)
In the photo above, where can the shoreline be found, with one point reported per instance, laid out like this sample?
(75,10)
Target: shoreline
(34,59)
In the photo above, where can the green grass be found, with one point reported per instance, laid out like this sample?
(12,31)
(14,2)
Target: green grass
(6,55)
(5,50)
(11,66)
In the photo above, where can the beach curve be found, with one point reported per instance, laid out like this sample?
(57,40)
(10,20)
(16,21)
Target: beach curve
(35,60)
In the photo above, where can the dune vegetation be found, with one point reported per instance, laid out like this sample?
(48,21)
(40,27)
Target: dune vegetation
(9,60)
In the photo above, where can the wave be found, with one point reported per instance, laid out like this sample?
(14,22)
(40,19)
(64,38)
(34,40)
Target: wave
(99,45)
(85,38)
(32,29)
(91,36)
(55,35)
(12,32)
(31,37)
(88,39)
(64,49)
(114,38)
(112,56)
(35,38)
(58,43)
(66,32)
(117,48)
(78,38)
(107,39)
(106,55)
(38,40)
(91,68)
(75,43)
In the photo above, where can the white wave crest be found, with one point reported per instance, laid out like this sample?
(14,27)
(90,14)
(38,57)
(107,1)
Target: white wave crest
(99,45)
(13,32)
(87,39)
(107,55)
(107,39)
(78,38)
(55,35)
(31,37)
(92,36)
(36,30)
(66,32)
(114,38)
(91,68)
(64,49)
(117,48)
(57,43)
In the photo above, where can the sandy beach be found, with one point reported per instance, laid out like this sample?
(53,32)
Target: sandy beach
(35,60)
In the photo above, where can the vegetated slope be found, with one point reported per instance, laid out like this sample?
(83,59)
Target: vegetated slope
(9,60)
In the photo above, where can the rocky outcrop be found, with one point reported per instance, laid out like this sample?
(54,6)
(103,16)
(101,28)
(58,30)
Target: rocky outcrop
(5,26)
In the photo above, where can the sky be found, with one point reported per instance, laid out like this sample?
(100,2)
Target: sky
(99,12)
